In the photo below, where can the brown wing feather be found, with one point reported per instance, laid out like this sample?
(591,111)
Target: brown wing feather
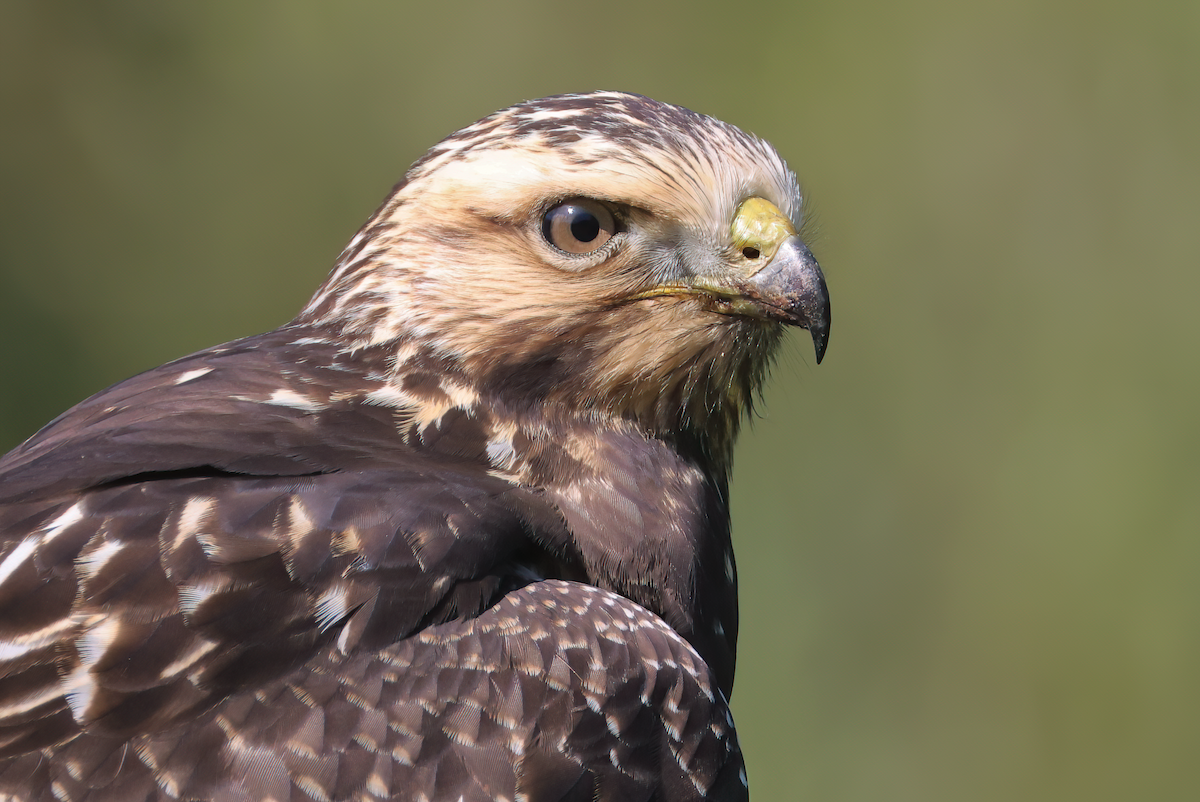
(559,691)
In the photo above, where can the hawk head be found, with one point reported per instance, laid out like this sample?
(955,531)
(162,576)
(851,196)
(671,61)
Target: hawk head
(600,253)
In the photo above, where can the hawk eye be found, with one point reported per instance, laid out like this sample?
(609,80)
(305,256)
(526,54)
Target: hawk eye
(579,225)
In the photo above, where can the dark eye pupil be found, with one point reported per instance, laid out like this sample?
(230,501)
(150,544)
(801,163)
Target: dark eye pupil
(578,226)
(584,225)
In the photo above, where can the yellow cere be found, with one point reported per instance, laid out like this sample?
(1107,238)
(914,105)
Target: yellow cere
(760,225)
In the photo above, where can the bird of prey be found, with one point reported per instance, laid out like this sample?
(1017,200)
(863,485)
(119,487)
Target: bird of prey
(460,530)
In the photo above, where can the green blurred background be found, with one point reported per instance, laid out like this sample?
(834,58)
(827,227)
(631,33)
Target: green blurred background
(968,542)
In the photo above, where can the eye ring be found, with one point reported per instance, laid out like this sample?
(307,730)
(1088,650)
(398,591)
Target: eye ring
(578,226)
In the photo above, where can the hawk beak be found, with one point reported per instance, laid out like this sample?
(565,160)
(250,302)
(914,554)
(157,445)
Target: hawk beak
(784,281)
(772,275)
(791,289)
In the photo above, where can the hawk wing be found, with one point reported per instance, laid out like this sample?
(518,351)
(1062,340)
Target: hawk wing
(200,552)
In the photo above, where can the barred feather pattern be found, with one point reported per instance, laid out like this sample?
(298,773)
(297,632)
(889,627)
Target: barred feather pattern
(456,711)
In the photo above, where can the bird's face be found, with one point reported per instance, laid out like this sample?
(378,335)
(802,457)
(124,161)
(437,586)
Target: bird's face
(605,251)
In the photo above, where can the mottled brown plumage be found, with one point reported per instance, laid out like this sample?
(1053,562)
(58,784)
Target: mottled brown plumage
(460,530)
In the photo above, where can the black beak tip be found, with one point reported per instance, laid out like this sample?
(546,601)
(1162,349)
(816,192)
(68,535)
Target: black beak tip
(820,335)
(819,319)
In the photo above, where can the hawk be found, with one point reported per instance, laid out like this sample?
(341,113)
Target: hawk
(459,531)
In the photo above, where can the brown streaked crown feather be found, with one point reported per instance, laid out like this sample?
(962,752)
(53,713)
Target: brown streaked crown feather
(459,531)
